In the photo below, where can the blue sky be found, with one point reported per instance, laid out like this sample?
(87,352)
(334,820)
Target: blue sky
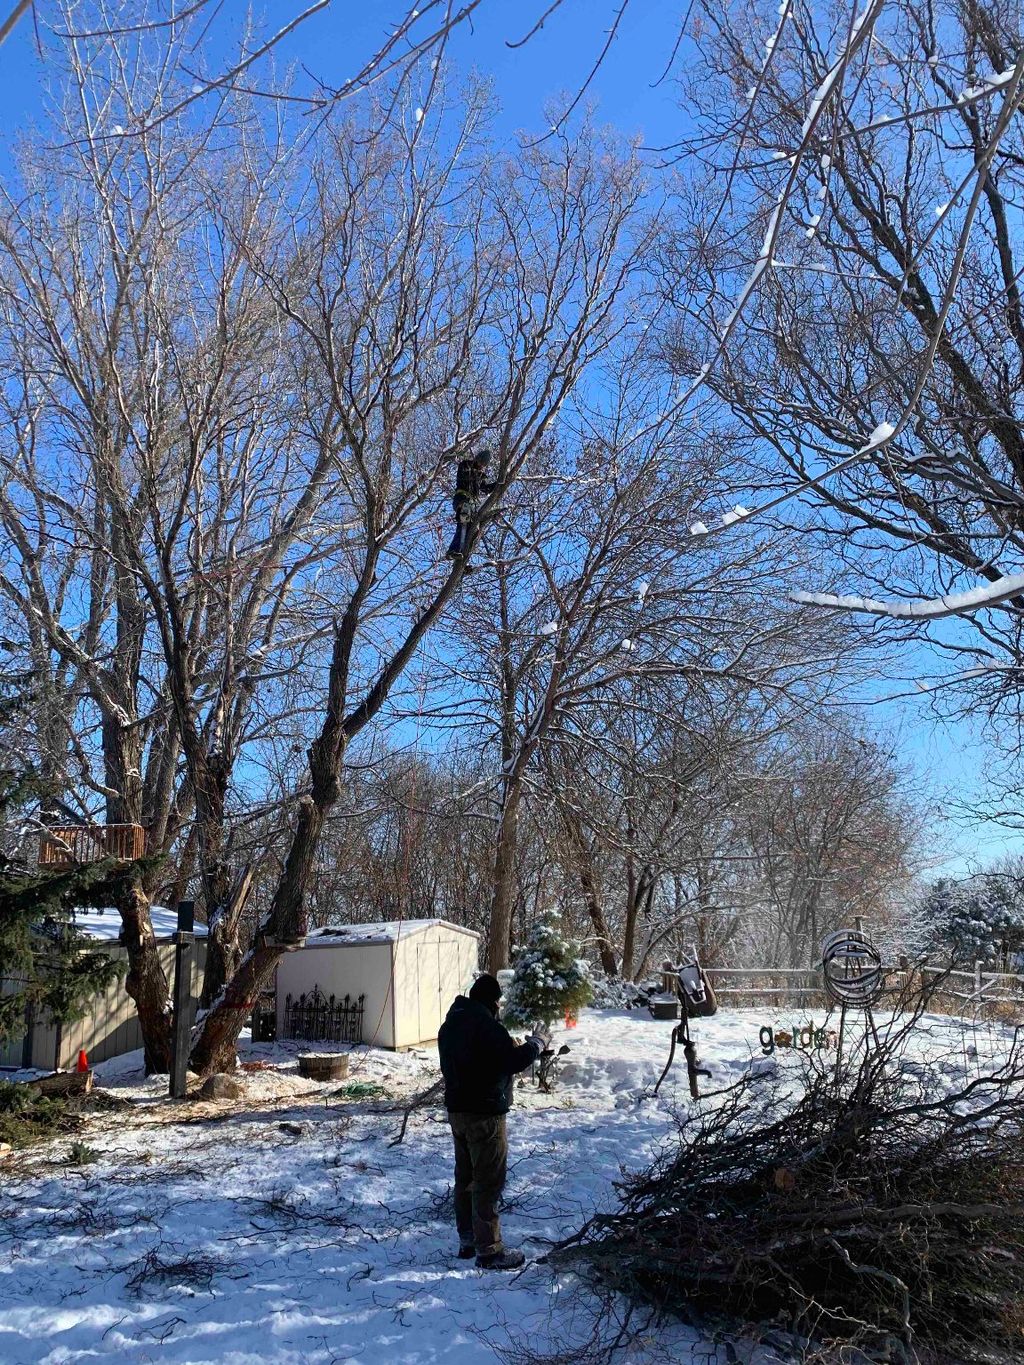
(948,758)
(332,45)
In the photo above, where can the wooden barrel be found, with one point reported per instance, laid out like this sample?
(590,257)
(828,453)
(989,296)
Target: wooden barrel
(324,1066)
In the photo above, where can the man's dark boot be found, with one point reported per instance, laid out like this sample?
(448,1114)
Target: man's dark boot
(466,1251)
(502,1260)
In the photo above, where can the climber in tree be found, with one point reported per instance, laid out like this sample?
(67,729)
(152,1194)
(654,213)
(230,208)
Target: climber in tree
(470,485)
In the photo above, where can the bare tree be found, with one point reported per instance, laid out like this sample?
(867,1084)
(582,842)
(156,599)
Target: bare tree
(410,33)
(651,801)
(879,365)
(156,496)
(550,260)
(831,827)
(236,382)
(594,603)
(259,457)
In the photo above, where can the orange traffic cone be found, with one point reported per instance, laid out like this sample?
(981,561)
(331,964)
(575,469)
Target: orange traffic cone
(83,1060)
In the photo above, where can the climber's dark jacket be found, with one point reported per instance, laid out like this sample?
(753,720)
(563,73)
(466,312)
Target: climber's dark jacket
(470,483)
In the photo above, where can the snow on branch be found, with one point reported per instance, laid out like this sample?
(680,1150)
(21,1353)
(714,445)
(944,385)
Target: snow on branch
(828,90)
(932,609)
(835,75)
(881,436)
(886,432)
(989,86)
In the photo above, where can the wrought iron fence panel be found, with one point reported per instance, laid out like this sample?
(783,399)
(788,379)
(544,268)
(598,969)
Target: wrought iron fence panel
(315,1017)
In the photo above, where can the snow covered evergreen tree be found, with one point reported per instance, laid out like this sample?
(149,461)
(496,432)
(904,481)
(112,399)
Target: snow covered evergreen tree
(977,919)
(550,979)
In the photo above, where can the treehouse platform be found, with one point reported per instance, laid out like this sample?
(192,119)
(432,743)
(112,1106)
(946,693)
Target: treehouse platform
(71,845)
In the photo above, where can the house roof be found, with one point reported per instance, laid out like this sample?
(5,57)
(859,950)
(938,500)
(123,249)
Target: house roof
(105,925)
(384,931)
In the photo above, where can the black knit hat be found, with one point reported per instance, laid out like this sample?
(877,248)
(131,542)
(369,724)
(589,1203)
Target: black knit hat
(486,990)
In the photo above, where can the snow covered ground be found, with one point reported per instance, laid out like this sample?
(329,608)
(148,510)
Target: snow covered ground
(205,1232)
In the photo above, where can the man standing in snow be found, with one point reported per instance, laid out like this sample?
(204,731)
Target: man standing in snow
(470,485)
(478,1062)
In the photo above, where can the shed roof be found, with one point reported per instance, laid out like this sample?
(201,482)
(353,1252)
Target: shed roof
(105,924)
(384,931)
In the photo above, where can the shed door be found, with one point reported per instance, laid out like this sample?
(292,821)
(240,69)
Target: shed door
(428,966)
(453,977)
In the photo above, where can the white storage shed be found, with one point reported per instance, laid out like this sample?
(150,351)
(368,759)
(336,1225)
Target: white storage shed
(407,971)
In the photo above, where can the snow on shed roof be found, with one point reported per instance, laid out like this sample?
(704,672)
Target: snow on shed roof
(385,931)
(105,924)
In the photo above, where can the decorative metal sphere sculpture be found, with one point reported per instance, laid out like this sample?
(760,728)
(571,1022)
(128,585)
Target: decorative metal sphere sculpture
(852,968)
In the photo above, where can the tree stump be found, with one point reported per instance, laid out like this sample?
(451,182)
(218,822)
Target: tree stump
(63,1083)
(324,1066)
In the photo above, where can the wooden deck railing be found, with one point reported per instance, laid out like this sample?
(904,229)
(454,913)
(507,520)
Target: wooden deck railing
(67,845)
(739,986)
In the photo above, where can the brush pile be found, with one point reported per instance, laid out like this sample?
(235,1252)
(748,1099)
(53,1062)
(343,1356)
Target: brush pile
(877,1216)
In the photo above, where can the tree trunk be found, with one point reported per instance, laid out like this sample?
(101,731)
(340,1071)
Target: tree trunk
(582,853)
(210,777)
(500,926)
(285,926)
(223,950)
(215,1049)
(645,898)
(629,928)
(146,982)
(597,919)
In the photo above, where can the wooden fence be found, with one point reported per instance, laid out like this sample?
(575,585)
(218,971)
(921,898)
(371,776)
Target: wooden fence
(742,986)
(977,990)
(978,987)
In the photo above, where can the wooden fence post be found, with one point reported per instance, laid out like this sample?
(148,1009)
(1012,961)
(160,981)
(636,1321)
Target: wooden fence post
(184,949)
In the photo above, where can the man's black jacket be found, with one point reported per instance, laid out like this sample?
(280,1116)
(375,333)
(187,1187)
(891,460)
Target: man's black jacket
(470,482)
(479,1059)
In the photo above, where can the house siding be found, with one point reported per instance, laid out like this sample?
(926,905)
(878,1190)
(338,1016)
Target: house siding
(109,1028)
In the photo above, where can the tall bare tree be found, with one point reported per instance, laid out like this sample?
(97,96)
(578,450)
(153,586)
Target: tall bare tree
(876,371)
(237,386)
(831,829)
(492,300)
(593,602)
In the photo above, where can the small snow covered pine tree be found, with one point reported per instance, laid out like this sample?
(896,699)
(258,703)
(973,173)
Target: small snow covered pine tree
(550,980)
